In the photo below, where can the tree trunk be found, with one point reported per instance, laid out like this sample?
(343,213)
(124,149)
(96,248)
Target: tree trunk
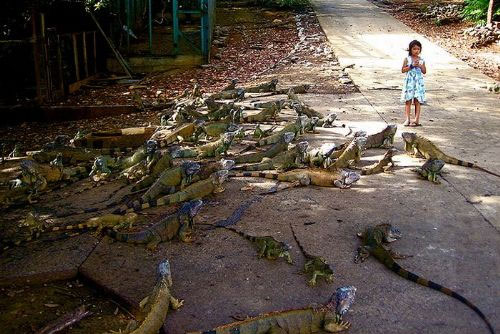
(489,16)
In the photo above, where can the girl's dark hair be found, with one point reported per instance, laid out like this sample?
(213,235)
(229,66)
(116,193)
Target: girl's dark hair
(412,44)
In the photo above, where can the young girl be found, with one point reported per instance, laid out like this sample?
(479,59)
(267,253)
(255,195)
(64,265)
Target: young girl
(413,87)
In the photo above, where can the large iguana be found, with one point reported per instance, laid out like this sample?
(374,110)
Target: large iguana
(420,146)
(196,190)
(236,94)
(382,165)
(267,87)
(157,304)
(280,146)
(296,127)
(315,266)
(320,157)
(212,149)
(304,177)
(307,320)
(267,246)
(270,112)
(178,225)
(327,122)
(430,170)
(290,159)
(351,155)
(384,138)
(375,240)
(163,163)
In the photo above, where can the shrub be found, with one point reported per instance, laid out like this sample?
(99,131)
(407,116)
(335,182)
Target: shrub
(476,10)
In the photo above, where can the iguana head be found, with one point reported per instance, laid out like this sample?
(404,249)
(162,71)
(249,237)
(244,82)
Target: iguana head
(240,94)
(433,166)
(360,133)
(28,167)
(392,128)
(344,298)
(227,164)
(360,141)
(151,146)
(191,208)
(409,137)
(302,147)
(274,82)
(330,118)
(288,137)
(227,138)
(314,121)
(164,271)
(236,115)
(390,233)
(190,168)
(390,153)
(233,128)
(219,177)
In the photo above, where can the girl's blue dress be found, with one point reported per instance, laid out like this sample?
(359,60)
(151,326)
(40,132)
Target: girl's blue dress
(413,86)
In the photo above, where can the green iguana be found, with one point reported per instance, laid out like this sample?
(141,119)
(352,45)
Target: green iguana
(212,149)
(267,246)
(301,108)
(320,157)
(417,145)
(16,151)
(259,133)
(351,154)
(267,87)
(305,177)
(327,122)
(127,138)
(215,129)
(236,94)
(160,165)
(280,146)
(290,159)
(315,266)
(311,124)
(178,225)
(299,89)
(430,170)
(157,304)
(231,86)
(307,320)
(375,240)
(265,114)
(383,139)
(218,110)
(296,127)
(196,190)
(383,165)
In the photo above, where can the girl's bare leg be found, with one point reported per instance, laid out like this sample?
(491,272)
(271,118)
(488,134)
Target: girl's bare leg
(417,112)
(407,111)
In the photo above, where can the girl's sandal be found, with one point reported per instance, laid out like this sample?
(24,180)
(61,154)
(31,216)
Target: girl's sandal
(406,123)
(415,124)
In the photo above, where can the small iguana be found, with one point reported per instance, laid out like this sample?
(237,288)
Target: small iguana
(167,137)
(196,190)
(157,304)
(212,149)
(178,225)
(259,133)
(280,146)
(301,108)
(320,157)
(430,170)
(296,127)
(236,94)
(267,87)
(267,246)
(290,159)
(304,177)
(270,112)
(351,155)
(383,139)
(418,145)
(383,165)
(307,320)
(375,240)
(311,124)
(327,122)
(315,266)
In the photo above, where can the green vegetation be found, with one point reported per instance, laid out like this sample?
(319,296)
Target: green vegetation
(284,3)
(476,10)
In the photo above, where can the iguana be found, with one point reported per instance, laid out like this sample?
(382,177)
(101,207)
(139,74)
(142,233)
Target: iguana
(267,87)
(222,107)
(212,149)
(383,139)
(231,86)
(167,137)
(301,108)
(280,146)
(296,127)
(299,89)
(351,155)
(173,178)
(320,157)
(178,225)
(163,163)
(265,114)
(417,145)
(215,129)
(259,133)
(157,304)
(268,104)
(196,190)
(227,113)
(307,320)
(382,165)
(327,122)
(267,246)
(126,138)
(290,159)
(375,240)
(304,177)
(315,266)
(236,94)
(72,155)
(430,170)
(311,124)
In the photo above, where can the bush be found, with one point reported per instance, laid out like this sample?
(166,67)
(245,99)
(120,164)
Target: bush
(284,3)
(476,10)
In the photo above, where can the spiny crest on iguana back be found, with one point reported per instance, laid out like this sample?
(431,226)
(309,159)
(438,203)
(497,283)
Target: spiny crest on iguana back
(417,145)
(315,266)
(375,242)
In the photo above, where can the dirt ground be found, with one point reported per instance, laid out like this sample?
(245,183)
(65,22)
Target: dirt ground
(449,36)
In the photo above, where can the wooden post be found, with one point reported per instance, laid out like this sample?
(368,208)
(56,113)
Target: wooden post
(75,54)
(59,65)
(489,15)
(36,55)
(95,54)
(46,59)
(85,62)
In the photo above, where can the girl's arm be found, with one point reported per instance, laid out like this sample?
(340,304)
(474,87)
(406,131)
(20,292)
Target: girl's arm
(405,67)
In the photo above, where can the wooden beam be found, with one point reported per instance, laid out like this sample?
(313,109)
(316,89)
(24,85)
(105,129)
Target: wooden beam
(75,54)
(85,61)
(95,53)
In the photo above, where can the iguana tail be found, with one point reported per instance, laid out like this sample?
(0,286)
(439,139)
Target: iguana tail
(304,252)
(392,265)
(272,176)
(246,236)
(454,161)
(142,237)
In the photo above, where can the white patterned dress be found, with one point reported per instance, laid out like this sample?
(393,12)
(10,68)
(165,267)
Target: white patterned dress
(413,86)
